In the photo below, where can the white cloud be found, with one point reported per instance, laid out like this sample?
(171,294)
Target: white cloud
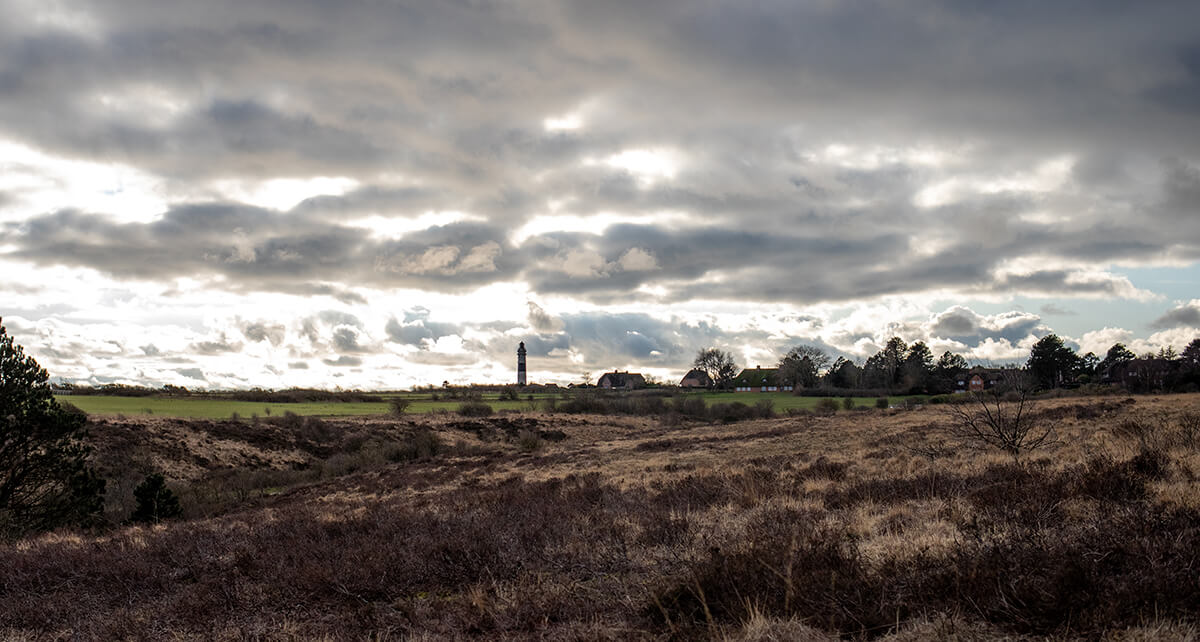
(40,182)
(649,165)
(580,262)
(1099,341)
(283,193)
(638,260)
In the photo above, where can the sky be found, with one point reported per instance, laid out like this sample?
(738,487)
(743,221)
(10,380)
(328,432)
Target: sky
(381,194)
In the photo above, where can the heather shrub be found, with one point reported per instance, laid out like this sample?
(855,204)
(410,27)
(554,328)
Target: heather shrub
(1189,429)
(315,430)
(731,412)
(690,406)
(289,420)
(528,441)
(424,444)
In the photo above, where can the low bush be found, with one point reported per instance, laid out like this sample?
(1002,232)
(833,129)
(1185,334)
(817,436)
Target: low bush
(509,394)
(155,502)
(398,406)
(474,409)
(765,408)
(528,440)
(826,406)
(731,412)
(882,403)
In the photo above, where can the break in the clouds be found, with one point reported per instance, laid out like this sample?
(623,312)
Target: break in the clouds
(375,194)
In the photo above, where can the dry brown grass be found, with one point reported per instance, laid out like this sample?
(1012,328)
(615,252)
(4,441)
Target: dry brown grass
(863,524)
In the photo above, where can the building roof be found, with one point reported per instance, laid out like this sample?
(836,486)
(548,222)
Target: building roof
(622,379)
(697,374)
(755,377)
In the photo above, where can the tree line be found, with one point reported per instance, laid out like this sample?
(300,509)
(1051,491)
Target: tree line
(913,369)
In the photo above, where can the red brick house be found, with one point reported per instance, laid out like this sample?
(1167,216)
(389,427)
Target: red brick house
(977,379)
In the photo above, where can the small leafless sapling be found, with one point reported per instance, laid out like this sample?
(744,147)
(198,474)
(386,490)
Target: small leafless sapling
(1001,417)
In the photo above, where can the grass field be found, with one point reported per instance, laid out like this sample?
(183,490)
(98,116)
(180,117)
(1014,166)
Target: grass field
(202,408)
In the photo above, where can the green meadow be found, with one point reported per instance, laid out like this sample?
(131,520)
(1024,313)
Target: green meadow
(419,403)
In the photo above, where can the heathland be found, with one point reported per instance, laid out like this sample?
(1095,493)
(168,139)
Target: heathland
(870,523)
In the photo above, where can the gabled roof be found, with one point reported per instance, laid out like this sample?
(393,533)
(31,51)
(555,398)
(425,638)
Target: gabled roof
(698,375)
(755,377)
(622,379)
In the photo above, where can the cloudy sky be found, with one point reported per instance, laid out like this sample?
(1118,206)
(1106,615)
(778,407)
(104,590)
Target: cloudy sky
(377,194)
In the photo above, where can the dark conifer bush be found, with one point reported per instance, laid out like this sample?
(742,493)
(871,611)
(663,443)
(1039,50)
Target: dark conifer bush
(155,502)
(45,479)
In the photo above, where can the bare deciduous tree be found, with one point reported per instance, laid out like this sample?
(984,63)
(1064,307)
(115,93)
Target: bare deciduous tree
(1002,417)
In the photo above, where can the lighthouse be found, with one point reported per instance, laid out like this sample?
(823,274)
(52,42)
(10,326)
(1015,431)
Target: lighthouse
(521,364)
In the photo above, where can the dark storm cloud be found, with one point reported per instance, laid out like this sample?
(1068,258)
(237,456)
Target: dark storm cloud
(541,345)
(257,249)
(1184,316)
(435,107)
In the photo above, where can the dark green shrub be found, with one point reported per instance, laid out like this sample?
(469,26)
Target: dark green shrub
(914,402)
(690,406)
(509,394)
(731,412)
(882,403)
(314,429)
(474,409)
(155,502)
(848,403)
(398,406)
(45,479)
(826,406)
(425,444)
(765,408)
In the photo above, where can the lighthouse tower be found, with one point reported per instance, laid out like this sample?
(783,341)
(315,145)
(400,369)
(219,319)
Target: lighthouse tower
(521,364)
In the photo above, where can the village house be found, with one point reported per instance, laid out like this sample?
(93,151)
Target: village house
(977,379)
(1140,375)
(695,379)
(621,381)
(759,379)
